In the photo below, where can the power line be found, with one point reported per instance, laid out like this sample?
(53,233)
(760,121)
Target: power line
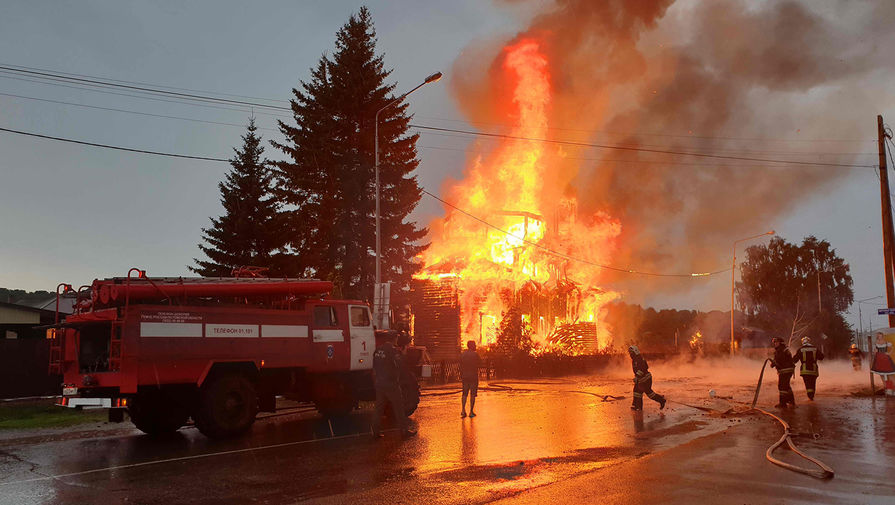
(142,88)
(153,88)
(639,149)
(649,134)
(619,161)
(566,256)
(153,98)
(715,150)
(93,81)
(467,132)
(117,148)
(141,83)
(113,109)
(112,91)
(442,148)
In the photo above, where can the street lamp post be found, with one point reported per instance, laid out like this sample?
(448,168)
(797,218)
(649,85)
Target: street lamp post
(378,312)
(861,320)
(733,269)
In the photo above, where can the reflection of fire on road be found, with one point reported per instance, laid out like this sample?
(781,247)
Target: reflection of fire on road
(475,273)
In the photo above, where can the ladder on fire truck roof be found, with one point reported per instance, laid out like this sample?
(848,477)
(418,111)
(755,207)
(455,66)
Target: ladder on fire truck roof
(55,367)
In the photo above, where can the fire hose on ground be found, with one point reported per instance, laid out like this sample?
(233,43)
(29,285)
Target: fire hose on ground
(825,471)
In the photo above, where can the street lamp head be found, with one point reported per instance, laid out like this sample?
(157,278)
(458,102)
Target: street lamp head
(432,78)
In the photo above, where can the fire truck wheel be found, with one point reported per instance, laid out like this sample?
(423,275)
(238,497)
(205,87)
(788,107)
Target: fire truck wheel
(227,406)
(154,414)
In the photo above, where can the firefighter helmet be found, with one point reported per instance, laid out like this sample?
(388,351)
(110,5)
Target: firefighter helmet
(806,341)
(776,341)
(854,346)
(633,350)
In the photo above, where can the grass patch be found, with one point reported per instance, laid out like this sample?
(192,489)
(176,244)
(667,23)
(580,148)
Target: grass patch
(44,414)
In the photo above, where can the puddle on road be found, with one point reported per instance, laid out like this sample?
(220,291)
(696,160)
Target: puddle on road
(501,479)
(677,429)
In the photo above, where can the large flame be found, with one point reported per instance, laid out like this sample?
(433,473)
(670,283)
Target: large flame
(531,244)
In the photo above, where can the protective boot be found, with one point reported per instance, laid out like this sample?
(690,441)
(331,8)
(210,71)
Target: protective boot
(784,399)
(810,384)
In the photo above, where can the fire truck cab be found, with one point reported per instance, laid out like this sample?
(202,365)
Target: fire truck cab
(216,350)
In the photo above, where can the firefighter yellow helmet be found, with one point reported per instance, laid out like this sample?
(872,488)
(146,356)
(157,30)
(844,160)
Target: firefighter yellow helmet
(854,346)
(806,341)
(633,350)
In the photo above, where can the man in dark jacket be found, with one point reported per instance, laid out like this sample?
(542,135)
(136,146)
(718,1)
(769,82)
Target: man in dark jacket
(469,375)
(387,375)
(643,381)
(809,356)
(782,361)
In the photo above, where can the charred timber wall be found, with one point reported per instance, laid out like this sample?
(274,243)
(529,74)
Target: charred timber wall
(436,317)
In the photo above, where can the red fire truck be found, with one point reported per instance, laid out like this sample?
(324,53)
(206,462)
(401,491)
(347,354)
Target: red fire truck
(216,350)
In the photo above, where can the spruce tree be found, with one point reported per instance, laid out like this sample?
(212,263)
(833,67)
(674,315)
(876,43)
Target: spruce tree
(247,233)
(328,179)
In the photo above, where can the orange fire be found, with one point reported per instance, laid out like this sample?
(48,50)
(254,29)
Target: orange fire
(535,240)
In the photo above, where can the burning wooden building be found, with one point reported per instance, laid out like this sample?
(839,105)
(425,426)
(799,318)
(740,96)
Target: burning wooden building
(513,243)
(468,298)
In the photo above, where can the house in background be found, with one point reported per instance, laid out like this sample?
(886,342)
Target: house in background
(24,349)
(20,321)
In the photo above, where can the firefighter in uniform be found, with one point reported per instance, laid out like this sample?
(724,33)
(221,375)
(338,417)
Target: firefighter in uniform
(857,357)
(809,356)
(643,381)
(387,366)
(785,366)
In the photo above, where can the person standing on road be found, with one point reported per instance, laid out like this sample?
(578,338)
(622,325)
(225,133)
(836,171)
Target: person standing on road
(387,376)
(857,357)
(809,356)
(785,366)
(643,381)
(882,361)
(469,374)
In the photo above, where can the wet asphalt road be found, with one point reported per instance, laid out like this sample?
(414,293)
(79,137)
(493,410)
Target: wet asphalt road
(532,442)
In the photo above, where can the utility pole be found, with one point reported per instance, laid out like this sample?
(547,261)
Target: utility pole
(860,327)
(817,267)
(887,217)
